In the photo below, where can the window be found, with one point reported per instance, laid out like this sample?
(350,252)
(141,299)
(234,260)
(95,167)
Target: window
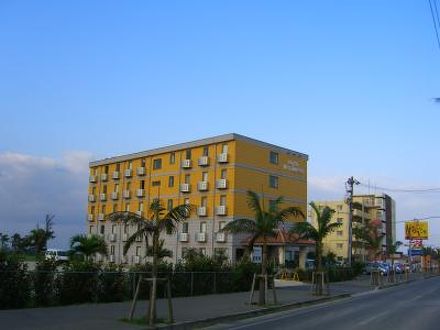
(205,151)
(185,227)
(339,233)
(126,229)
(128,185)
(141,206)
(93,190)
(118,167)
(273,157)
(273,181)
(90,229)
(187,178)
(172,158)
(92,209)
(223,200)
(127,207)
(142,184)
(115,207)
(220,252)
(171,181)
(106,169)
(104,189)
(138,251)
(101,229)
(143,162)
(224,148)
(116,187)
(130,164)
(204,201)
(112,250)
(103,209)
(157,164)
(203,227)
(113,229)
(339,245)
(224,173)
(221,225)
(205,176)
(188,154)
(169,204)
(156,183)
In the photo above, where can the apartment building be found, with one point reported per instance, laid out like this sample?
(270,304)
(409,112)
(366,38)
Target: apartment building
(366,208)
(213,175)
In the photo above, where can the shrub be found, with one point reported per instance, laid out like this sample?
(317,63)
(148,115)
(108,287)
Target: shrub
(15,291)
(44,283)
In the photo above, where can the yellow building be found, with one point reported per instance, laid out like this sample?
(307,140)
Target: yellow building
(212,174)
(365,208)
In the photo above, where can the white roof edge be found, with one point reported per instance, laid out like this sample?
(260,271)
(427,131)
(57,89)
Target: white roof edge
(192,144)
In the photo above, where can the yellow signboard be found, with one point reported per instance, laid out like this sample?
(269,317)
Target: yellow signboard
(416,230)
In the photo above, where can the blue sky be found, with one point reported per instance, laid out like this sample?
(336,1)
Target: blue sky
(348,82)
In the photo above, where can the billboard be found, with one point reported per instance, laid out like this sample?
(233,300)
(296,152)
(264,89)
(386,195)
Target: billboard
(416,230)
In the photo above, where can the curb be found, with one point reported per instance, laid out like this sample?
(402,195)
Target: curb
(247,314)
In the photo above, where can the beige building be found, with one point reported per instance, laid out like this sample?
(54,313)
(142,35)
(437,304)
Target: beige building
(365,208)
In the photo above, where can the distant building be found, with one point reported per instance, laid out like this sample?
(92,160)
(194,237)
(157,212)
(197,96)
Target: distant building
(213,174)
(380,208)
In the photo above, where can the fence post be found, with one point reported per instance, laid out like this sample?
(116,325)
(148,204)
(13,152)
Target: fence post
(192,284)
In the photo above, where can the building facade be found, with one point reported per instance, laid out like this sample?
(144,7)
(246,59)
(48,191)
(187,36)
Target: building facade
(213,175)
(380,208)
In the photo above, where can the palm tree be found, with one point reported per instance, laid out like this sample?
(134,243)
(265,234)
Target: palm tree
(264,225)
(317,234)
(159,221)
(392,250)
(88,245)
(39,237)
(370,236)
(4,239)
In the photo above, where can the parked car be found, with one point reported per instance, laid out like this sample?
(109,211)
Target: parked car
(56,255)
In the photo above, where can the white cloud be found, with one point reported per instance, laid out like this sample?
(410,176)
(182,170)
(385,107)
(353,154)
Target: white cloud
(32,186)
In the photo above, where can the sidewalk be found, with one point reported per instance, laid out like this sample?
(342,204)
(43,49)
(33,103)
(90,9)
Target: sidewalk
(187,310)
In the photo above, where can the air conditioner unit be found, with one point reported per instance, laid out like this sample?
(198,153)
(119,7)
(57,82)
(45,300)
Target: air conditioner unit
(185,187)
(221,237)
(204,161)
(221,210)
(103,197)
(221,184)
(126,194)
(222,158)
(184,237)
(201,211)
(104,177)
(201,237)
(92,178)
(127,173)
(136,259)
(115,175)
(140,193)
(91,198)
(202,185)
(115,195)
(186,163)
(111,258)
(140,171)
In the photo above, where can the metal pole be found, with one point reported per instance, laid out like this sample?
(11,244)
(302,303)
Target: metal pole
(349,189)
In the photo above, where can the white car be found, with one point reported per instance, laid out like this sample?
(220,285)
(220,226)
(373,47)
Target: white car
(56,255)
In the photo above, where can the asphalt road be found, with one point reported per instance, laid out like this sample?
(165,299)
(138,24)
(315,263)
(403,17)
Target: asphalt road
(412,306)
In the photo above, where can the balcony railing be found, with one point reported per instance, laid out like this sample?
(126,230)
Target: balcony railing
(140,171)
(184,237)
(221,210)
(202,185)
(222,158)
(104,177)
(204,161)
(201,211)
(128,172)
(92,178)
(115,175)
(201,237)
(221,184)
(185,187)
(221,237)
(186,163)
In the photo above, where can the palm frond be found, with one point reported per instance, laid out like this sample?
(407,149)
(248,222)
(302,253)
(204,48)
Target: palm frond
(284,214)
(254,204)
(139,234)
(241,226)
(305,230)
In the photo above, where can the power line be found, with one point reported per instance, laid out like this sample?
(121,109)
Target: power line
(434,20)
(418,190)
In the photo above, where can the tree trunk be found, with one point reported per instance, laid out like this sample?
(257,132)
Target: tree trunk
(153,292)
(262,285)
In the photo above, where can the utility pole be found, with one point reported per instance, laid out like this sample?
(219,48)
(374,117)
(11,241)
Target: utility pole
(349,199)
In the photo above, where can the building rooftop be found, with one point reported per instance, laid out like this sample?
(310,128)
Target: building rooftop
(193,144)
